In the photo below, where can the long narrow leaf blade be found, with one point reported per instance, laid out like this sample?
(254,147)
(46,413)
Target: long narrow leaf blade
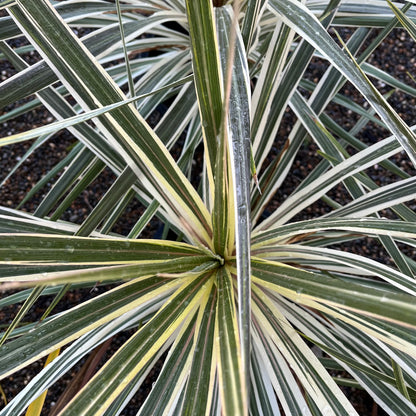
(305,23)
(231,384)
(205,62)
(305,286)
(128,361)
(239,144)
(130,134)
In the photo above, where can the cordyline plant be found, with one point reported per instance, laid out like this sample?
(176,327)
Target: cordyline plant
(256,308)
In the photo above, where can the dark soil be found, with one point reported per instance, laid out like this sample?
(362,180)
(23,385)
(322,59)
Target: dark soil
(11,194)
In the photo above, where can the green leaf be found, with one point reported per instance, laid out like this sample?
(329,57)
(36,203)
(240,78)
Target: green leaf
(47,248)
(76,119)
(131,137)
(230,367)
(300,19)
(29,302)
(273,366)
(360,226)
(101,43)
(317,188)
(277,81)
(359,354)
(262,397)
(175,369)
(378,199)
(254,9)
(305,287)
(314,379)
(137,351)
(238,133)
(407,23)
(89,174)
(83,159)
(330,259)
(206,66)
(70,356)
(222,212)
(119,188)
(6,3)
(200,386)
(401,384)
(70,325)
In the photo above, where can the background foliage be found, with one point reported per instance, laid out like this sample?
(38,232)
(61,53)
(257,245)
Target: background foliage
(262,297)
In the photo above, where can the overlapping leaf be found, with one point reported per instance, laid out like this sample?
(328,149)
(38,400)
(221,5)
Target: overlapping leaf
(195,298)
